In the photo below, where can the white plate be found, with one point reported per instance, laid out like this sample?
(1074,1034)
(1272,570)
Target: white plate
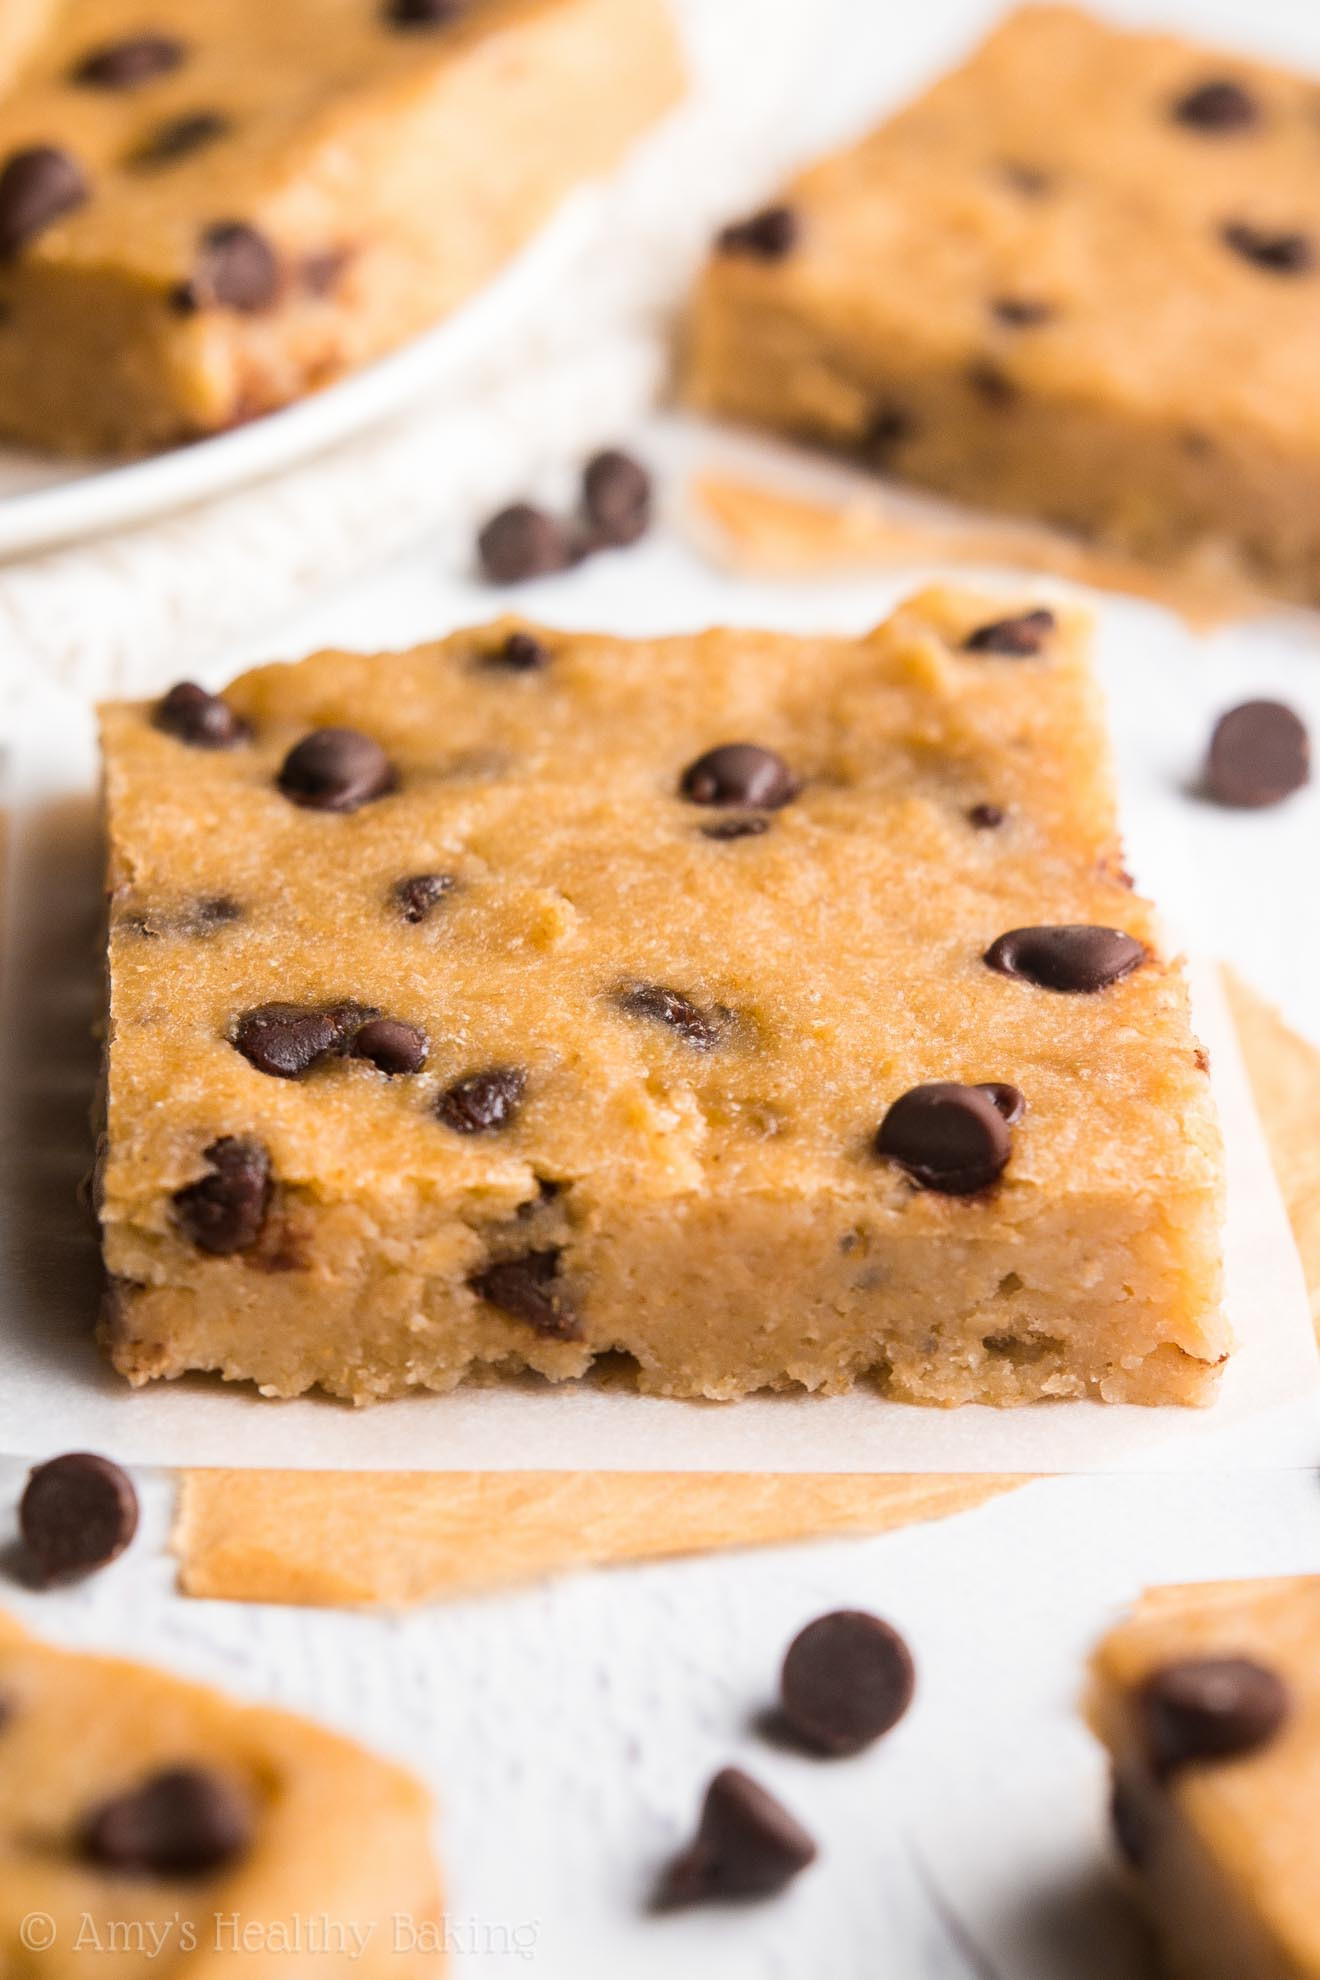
(45,502)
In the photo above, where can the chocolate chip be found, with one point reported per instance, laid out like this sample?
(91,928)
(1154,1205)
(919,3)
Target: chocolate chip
(484,1100)
(391,1046)
(1075,958)
(178,137)
(1021,312)
(992,383)
(77,1513)
(847,1679)
(523,542)
(139,58)
(1020,637)
(520,653)
(701,1028)
(200,719)
(769,235)
(1129,1818)
(616,494)
(226,1211)
(1260,753)
(747,1845)
(948,1137)
(211,911)
(526,1288)
(1010,1100)
(736,828)
(236,268)
(286,1040)
(417,895)
(420,13)
(38,186)
(887,429)
(1220,105)
(1278,252)
(986,817)
(1208,1708)
(180,1822)
(740,773)
(1029,180)
(321,273)
(336,770)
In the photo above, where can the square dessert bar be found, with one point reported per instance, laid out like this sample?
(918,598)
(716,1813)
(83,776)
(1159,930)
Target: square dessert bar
(1208,1700)
(207,211)
(1078,279)
(768,1010)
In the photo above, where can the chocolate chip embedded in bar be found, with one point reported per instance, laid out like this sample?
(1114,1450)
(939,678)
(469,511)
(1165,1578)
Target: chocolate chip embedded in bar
(1033,287)
(833,1084)
(207,211)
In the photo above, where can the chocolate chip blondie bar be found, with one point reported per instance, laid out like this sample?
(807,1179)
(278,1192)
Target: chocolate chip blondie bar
(1208,1701)
(206,212)
(770,1011)
(1078,279)
(152,1826)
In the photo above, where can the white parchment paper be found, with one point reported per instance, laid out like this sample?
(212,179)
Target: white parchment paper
(55,1390)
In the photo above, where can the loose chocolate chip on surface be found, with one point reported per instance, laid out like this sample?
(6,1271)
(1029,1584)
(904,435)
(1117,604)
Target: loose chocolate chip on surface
(747,1845)
(420,892)
(236,268)
(392,1046)
(523,542)
(736,828)
(1277,251)
(1018,638)
(38,186)
(1219,105)
(336,770)
(1021,312)
(526,1288)
(139,58)
(1209,1708)
(1075,958)
(986,817)
(702,1028)
(1010,1100)
(420,13)
(948,1137)
(769,235)
(286,1040)
(178,137)
(77,1513)
(520,653)
(740,773)
(484,1100)
(180,1822)
(847,1679)
(1260,753)
(203,720)
(616,494)
(226,1211)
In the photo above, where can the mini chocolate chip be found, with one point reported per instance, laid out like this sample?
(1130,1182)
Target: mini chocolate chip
(520,653)
(1277,251)
(986,817)
(747,1845)
(321,273)
(336,770)
(417,895)
(236,268)
(992,383)
(1129,1818)
(1260,753)
(1010,1100)
(38,186)
(286,1040)
(180,1822)
(702,1028)
(1019,638)
(1076,957)
(211,911)
(523,542)
(139,58)
(77,1513)
(526,1288)
(178,137)
(847,1679)
(887,429)
(1031,181)
(616,494)
(226,1211)
(484,1100)
(391,1046)
(736,828)
(1021,312)
(740,773)
(420,13)
(1208,1708)
(203,720)
(769,235)
(949,1137)
(1220,105)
